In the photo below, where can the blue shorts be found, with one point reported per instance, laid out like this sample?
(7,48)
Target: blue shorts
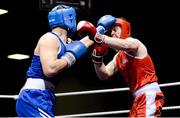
(35,103)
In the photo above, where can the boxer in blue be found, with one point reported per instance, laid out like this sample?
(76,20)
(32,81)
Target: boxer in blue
(54,52)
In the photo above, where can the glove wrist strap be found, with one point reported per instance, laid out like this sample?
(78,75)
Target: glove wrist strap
(70,58)
(97,59)
(99,38)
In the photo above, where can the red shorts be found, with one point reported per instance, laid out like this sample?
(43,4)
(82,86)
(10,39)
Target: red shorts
(147,103)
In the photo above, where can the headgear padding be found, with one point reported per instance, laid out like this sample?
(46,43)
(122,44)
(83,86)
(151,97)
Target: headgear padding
(125,26)
(63,16)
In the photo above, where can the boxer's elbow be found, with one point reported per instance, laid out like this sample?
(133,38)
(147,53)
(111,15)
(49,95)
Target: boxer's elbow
(50,72)
(103,76)
(54,69)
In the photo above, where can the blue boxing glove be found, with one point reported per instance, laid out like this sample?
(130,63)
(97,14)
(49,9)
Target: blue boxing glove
(74,51)
(105,23)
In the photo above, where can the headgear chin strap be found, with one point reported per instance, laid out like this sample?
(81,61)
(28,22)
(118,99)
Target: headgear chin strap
(125,26)
(63,16)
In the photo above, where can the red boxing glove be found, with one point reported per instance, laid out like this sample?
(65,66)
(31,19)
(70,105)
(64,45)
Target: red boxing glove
(98,52)
(86,28)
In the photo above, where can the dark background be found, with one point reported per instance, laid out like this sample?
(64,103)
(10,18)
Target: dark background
(155,24)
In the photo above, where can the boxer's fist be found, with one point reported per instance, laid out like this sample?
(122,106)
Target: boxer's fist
(74,51)
(105,23)
(98,52)
(86,28)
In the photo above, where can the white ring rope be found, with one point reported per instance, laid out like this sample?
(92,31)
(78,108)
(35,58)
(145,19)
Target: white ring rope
(113,112)
(94,91)
(110,90)
(9,96)
(102,91)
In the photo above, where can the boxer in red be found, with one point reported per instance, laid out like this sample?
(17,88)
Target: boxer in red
(132,60)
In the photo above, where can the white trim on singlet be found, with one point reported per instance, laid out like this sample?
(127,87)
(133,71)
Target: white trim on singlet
(135,56)
(59,40)
(151,87)
(36,54)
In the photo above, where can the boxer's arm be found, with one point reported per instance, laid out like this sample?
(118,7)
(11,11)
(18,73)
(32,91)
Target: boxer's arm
(106,71)
(48,49)
(129,44)
(87,42)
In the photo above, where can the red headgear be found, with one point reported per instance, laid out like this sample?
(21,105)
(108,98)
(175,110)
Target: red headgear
(125,26)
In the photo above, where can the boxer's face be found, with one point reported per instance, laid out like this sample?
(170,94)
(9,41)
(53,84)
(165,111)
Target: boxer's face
(116,31)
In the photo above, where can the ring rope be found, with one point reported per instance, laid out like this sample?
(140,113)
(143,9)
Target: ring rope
(102,91)
(114,112)
(110,90)
(94,91)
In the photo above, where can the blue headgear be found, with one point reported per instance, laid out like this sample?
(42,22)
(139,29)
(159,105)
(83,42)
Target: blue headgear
(63,16)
